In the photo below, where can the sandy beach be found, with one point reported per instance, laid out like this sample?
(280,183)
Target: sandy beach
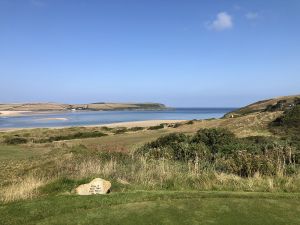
(145,123)
(14,113)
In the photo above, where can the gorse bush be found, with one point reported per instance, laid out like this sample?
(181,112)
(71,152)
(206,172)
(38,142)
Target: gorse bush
(290,120)
(288,126)
(78,135)
(106,128)
(189,122)
(225,152)
(214,138)
(45,136)
(15,140)
(161,126)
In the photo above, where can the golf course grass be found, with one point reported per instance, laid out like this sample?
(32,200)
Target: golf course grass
(159,207)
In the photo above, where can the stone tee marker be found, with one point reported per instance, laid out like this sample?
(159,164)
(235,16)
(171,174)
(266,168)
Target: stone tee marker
(96,186)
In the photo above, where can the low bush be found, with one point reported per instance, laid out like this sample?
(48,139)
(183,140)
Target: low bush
(14,140)
(177,125)
(136,128)
(106,128)
(77,135)
(289,121)
(225,152)
(288,126)
(215,138)
(161,126)
(190,122)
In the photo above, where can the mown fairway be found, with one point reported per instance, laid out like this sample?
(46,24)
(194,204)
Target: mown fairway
(159,207)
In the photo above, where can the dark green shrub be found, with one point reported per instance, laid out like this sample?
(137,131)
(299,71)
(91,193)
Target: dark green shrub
(288,126)
(14,140)
(135,128)
(167,140)
(189,122)
(289,120)
(177,125)
(78,135)
(106,128)
(214,138)
(220,149)
(175,146)
(161,126)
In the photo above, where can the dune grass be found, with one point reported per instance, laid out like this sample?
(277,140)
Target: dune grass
(62,174)
(26,189)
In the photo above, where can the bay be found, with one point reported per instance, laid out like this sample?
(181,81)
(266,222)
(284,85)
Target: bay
(84,118)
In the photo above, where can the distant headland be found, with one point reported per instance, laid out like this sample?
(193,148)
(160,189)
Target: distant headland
(8,109)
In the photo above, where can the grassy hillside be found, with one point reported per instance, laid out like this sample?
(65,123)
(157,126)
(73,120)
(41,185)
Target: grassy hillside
(288,123)
(287,126)
(269,105)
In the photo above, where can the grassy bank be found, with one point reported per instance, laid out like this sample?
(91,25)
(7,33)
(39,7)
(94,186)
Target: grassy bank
(61,174)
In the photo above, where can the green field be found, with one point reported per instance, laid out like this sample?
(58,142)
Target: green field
(159,207)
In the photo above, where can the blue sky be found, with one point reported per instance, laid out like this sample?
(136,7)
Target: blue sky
(182,53)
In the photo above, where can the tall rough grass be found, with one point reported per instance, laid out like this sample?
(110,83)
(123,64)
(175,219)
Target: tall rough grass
(141,173)
(151,174)
(60,175)
(25,189)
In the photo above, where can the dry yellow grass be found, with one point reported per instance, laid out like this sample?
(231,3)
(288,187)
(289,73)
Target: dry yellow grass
(25,189)
(144,173)
(250,125)
(93,167)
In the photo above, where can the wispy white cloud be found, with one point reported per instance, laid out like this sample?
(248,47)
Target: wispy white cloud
(251,15)
(222,22)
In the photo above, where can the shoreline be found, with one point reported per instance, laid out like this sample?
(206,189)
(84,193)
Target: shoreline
(143,123)
(11,113)
(7,113)
(127,124)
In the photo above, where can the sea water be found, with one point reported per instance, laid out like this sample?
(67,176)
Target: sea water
(83,118)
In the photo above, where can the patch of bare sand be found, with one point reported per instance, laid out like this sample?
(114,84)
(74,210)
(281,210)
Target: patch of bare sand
(13,113)
(145,123)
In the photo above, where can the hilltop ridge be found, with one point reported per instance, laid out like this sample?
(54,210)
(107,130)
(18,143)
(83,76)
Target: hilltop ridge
(268,105)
